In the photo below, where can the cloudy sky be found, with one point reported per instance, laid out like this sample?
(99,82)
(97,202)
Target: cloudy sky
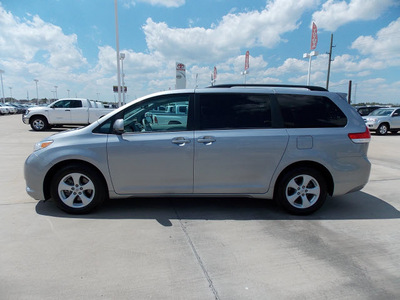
(71,44)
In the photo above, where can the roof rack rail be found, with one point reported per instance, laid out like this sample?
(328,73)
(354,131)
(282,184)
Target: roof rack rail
(309,87)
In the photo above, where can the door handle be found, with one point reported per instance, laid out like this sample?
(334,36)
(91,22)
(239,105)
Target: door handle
(180,141)
(67,110)
(207,140)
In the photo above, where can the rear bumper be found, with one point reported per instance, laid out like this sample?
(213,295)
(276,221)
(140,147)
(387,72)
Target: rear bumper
(353,175)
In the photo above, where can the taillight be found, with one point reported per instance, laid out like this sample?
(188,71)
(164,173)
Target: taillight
(361,137)
(155,120)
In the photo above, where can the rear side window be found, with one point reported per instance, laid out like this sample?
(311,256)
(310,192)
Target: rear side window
(307,111)
(234,111)
(76,104)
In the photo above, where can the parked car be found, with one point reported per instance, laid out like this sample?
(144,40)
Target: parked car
(11,109)
(75,111)
(384,120)
(292,143)
(4,110)
(366,110)
(20,108)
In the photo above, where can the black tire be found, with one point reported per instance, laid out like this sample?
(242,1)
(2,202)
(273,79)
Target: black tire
(301,191)
(78,189)
(382,129)
(39,123)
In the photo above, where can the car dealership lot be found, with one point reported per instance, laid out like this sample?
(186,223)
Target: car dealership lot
(198,248)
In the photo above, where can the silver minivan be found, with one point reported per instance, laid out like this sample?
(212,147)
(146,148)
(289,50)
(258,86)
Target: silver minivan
(294,144)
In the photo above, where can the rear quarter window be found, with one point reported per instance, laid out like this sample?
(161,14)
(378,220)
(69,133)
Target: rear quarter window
(307,111)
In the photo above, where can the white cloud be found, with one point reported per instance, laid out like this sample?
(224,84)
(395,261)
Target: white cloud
(166,3)
(385,46)
(233,33)
(26,39)
(337,13)
(290,65)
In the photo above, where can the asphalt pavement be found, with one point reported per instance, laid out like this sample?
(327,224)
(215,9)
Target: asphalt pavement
(198,248)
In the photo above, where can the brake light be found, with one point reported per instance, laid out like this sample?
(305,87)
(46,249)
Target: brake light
(155,120)
(361,137)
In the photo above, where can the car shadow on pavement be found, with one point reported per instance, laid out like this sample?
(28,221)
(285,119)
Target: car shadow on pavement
(357,205)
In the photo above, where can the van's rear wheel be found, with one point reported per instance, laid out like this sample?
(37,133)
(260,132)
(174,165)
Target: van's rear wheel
(78,189)
(302,191)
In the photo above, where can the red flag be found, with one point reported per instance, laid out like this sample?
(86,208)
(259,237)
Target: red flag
(246,62)
(314,36)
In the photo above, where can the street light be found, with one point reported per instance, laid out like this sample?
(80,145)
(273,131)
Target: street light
(10,93)
(122,56)
(244,73)
(309,56)
(68,93)
(56,91)
(117,46)
(37,93)
(2,87)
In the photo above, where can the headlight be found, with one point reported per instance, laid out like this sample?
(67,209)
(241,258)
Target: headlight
(42,145)
(371,120)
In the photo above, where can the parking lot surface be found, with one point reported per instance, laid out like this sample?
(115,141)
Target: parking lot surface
(198,248)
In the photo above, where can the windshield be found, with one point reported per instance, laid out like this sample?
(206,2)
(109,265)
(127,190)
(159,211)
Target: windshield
(381,112)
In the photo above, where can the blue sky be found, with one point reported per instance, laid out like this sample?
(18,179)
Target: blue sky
(71,44)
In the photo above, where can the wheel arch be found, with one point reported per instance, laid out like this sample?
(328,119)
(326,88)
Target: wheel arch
(38,115)
(385,123)
(308,164)
(378,129)
(50,174)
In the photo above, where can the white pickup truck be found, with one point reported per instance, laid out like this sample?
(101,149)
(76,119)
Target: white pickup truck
(166,116)
(67,111)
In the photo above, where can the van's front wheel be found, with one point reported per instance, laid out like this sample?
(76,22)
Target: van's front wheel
(302,191)
(78,189)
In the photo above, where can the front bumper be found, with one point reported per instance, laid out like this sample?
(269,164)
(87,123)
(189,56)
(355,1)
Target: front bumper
(372,125)
(34,173)
(25,119)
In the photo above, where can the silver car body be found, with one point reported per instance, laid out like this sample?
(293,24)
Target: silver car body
(389,116)
(240,162)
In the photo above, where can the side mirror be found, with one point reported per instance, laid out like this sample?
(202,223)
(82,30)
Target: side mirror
(118,126)
(396,114)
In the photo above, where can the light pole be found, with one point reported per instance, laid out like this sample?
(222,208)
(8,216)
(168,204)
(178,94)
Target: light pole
(68,93)
(329,62)
(244,73)
(117,46)
(2,87)
(122,56)
(37,93)
(309,56)
(10,93)
(56,91)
